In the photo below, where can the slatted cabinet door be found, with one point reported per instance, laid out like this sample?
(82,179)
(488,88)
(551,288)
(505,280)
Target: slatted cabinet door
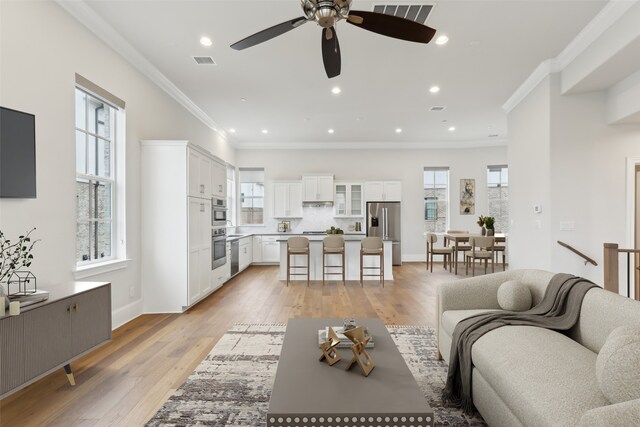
(47,337)
(11,353)
(90,319)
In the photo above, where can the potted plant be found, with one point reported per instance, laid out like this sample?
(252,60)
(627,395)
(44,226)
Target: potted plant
(14,256)
(481,223)
(489,221)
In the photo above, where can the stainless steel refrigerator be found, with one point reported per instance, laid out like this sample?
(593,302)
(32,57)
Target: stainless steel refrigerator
(383,220)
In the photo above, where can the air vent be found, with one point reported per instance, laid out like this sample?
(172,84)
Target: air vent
(437,108)
(415,12)
(204,60)
(493,135)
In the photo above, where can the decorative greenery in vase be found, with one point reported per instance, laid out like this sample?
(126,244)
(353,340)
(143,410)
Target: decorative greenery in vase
(15,255)
(481,222)
(489,221)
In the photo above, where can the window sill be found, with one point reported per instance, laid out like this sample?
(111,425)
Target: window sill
(100,268)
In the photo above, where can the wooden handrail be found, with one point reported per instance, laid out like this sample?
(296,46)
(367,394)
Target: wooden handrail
(577,252)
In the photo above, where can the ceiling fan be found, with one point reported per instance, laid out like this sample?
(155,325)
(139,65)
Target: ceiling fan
(326,13)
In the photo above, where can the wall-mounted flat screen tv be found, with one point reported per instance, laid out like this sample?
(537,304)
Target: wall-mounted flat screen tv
(17,154)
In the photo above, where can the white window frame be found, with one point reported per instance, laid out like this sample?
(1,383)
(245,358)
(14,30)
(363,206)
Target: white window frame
(494,168)
(448,195)
(117,260)
(240,197)
(232,198)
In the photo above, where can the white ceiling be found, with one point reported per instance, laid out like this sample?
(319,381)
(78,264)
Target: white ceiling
(493,47)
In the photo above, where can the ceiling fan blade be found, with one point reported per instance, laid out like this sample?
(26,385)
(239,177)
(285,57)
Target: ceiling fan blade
(331,52)
(391,26)
(268,34)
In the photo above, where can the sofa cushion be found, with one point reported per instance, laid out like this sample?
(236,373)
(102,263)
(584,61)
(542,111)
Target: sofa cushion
(451,318)
(514,295)
(543,376)
(618,365)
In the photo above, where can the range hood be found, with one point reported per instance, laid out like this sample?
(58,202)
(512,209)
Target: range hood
(327,204)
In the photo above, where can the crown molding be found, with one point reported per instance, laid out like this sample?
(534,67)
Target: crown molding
(429,145)
(609,14)
(88,17)
(545,68)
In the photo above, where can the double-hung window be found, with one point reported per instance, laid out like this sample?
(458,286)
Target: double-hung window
(498,196)
(251,196)
(95,139)
(436,199)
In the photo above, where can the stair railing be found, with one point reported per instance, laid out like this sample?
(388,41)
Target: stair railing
(577,252)
(611,269)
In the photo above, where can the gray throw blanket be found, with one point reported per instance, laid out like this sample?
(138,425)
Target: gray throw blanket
(559,310)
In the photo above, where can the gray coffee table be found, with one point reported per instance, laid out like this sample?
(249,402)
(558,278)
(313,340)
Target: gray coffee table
(310,393)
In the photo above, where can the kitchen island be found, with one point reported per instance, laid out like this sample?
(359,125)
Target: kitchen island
(352,259)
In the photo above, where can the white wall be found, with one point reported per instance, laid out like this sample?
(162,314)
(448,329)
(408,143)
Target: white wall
(589,180)
(42,47)
(529,139)
(406,165)
(563,153)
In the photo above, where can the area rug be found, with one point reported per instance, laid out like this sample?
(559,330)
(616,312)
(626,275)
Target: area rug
(231,387)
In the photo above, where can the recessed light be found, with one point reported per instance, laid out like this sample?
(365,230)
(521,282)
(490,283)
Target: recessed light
(330,131)
(265,131)
(359,119)
(243,99)
(232,130)
(452,128)
(442,39)
(205,41)
(398,130)
(434,89)
(336,90)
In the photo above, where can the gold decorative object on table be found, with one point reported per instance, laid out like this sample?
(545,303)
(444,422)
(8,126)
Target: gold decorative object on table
(329,352)
(360,340)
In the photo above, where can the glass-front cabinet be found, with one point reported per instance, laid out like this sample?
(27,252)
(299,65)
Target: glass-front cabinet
(348,200)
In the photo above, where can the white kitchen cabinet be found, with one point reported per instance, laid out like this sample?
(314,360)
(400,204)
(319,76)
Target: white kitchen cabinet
(175,227)
(317,188)
(199,242)
(245,249)
(383,191)
(287,199)
(199,167)
(218,179)
(257,249)
(348,199)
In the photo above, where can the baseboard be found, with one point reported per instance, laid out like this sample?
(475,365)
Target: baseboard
(413,257)
(126,314)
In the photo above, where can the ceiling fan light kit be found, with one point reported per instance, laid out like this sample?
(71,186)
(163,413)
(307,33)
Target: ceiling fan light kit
(326,13)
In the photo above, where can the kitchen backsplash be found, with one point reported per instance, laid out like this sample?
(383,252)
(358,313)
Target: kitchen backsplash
(314,219)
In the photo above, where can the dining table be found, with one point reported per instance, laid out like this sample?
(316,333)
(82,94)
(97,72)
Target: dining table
(458,238)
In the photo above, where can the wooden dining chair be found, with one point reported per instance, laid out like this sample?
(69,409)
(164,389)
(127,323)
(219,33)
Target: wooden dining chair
(464,247)
(482,249)
(501,249)
(446,252)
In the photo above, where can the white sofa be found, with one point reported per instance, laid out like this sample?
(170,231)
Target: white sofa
(529,376)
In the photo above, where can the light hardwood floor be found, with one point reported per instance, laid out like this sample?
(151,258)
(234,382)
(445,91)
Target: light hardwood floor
(125,382)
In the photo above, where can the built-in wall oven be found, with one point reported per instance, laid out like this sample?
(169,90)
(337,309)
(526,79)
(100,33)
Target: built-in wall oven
(218,212)
(218,247)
